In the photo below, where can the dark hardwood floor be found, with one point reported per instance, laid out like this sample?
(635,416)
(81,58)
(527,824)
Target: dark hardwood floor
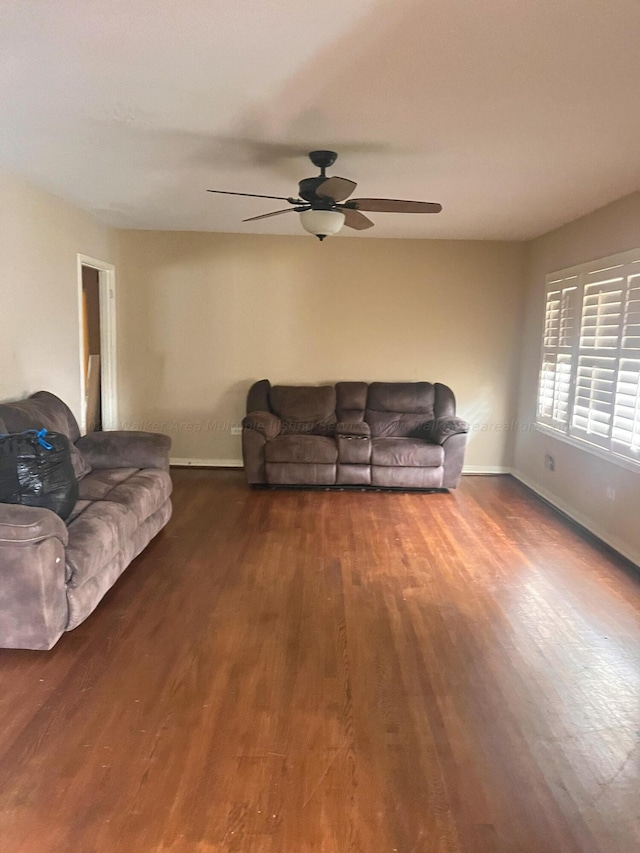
(294,671)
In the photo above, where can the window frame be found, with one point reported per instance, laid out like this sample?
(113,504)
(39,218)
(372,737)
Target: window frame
(586,279)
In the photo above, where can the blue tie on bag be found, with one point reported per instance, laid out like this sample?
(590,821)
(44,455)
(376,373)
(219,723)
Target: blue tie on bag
(36,470)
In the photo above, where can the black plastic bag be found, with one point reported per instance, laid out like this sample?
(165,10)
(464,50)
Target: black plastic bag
(36,470)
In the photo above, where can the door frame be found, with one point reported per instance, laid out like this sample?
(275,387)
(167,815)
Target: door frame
(108,342)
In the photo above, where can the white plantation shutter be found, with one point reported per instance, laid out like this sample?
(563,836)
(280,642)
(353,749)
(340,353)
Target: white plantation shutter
(626,413)
(546,387)
(595,385)
(626,417)
(593,400)
(558,347)
(590,373)
(631,327)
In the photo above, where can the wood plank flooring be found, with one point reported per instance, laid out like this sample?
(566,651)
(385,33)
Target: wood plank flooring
(292,671)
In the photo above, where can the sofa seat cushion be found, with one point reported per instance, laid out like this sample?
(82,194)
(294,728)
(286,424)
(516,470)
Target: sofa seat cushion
(84,598)
(78,509)
(97,485)
(104,528)
(95,537)
(143,493)
(406,453)
(397,425)
(310,449)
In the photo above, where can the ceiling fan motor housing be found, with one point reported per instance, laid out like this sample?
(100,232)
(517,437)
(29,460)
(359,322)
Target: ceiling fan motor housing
(308,186)
(307,190)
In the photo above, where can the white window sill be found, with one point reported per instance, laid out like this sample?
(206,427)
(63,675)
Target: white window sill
(591,449)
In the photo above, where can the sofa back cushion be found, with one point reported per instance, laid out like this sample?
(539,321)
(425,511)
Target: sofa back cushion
(41,409)
(445,406)
(351,401)
(305,408)
(44,409)
(400,409)
(258,397)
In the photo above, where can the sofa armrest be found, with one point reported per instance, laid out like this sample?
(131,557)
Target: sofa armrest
(125,449)
(356,429)
(441,429)
(33,597)
(27,525)
(263,422)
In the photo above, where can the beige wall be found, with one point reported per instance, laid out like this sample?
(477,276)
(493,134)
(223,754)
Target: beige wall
(579,481)
(40,238)
(201,316)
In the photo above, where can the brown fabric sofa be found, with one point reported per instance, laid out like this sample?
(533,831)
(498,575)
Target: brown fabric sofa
(384,434)
(53,574)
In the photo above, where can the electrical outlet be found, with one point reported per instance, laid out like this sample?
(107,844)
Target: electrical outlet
(236,430)
(610,492)
(550,462)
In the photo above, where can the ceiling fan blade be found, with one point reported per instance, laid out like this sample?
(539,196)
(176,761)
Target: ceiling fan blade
(336,188)
(354,219)
(274,213)
(255,195)
(394,205)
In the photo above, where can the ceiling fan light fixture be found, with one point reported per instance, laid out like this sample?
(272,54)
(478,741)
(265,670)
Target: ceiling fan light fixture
(322,223)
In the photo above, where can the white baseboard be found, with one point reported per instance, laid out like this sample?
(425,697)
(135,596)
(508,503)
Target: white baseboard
(612,541)
(486,469)
(206,463)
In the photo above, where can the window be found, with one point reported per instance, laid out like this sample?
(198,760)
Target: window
(589,387)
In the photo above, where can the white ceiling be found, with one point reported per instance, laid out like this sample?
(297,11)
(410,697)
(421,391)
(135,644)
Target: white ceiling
(516,115)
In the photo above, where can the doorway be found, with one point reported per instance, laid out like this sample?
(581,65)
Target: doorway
(98,391)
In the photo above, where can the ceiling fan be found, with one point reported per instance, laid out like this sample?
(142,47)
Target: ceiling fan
(322,203)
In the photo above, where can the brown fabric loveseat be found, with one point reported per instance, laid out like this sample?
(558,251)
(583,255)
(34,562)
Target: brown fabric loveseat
(384,434)
(53,574)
